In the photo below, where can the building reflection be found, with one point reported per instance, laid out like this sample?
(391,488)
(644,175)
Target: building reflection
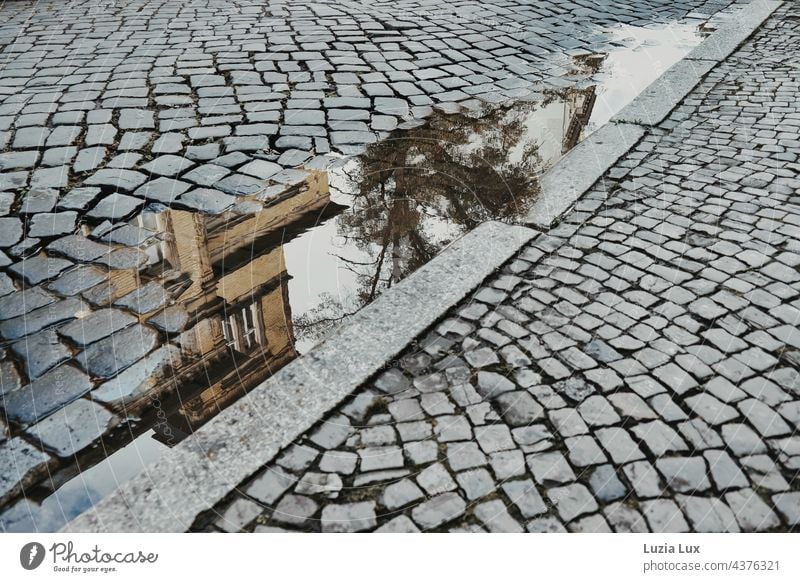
(241,292)
(229,281)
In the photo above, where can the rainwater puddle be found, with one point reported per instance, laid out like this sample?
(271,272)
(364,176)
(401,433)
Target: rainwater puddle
(260,289)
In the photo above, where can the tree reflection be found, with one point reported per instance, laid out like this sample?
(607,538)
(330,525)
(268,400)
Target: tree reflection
(412,194)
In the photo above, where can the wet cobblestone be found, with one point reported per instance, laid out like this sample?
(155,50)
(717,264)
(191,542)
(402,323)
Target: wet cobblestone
(661,379)
(109,109)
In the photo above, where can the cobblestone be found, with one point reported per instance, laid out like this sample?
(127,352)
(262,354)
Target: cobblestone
(660,388)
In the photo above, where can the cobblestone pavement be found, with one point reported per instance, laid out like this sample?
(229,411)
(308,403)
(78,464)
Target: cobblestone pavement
(635,369)
(207,107)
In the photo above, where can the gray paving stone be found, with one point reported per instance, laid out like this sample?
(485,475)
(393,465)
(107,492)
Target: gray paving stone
(109,356)
(96,326)
(708,514)
(572,501)
(352,517)
(73,427)
(664,516)
(400,494)
(751,512)
(494,515)
(115,207)
(788,505)
(295,510)
(40,353)
(684,474)
(29,464)
(237,515)
(525,497)
(41,318)
(438,511)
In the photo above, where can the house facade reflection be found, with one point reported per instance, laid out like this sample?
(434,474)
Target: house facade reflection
(232,290)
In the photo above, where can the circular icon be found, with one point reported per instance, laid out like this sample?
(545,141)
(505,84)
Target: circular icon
(31,555)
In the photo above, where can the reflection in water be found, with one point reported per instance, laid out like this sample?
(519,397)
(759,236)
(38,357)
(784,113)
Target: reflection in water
(241,285)
(247,291)
(643,54)
(412,194)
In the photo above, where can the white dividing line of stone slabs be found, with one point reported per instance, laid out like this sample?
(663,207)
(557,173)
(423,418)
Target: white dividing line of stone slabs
(200,471)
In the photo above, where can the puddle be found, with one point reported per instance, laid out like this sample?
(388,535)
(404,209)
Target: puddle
(643,56)
(259,289)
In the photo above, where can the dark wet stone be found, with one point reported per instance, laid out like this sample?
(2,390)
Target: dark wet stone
(126,180)
(392,382)
(391,106)
(115,207)
(10,231)
(6,285)
(74,427)
(261,169)
(46,394)
(96,326)
(40,268)
(39,200)
(41,318)
(304,117)
(89,158)
(22,517)
(240,185)
(117,284)
(352,137)
(518,408)
(135,386)
(124,258)
(232,160)
(117,352)
(294,141)
(605,484)
(9,380)
(172,320)
(201,153)
(347,103)
(47,224)
(574,388)
(207,174)
(129,235)
(246,144)
(6,202)
(28,247)
(76,280)
(24,301)
(78,248)
(163,189)
(40,352)
(145,299)
(168,165)
(492,384)
(23,465)
(207,200)
(293,158)
(78,198)
(601,351)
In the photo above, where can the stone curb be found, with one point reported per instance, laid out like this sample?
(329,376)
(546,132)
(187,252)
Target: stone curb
(581,167)
(727,39)
(196,474)
(564,183)
(656,102)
